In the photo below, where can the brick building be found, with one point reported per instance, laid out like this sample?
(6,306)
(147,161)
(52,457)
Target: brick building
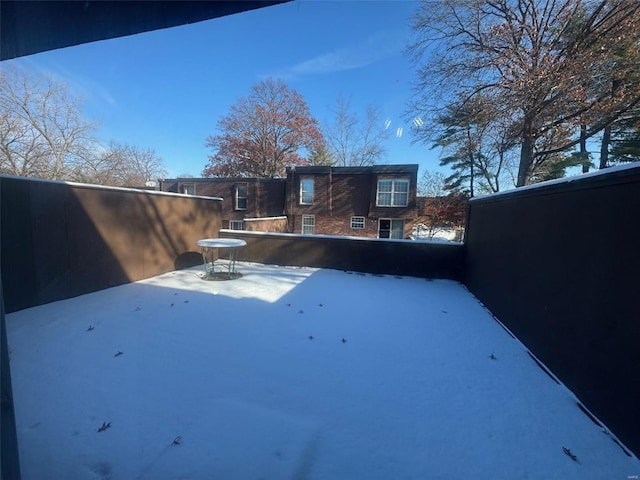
(376,201)
(242,198)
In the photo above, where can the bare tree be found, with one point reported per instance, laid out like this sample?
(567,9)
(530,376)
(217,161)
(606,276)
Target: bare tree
(20,152)
(354,141)
(121,165)
(42,130)
(542,64)
(432,184)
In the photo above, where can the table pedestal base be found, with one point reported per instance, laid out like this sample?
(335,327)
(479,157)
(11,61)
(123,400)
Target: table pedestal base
(221,276)
(226,271)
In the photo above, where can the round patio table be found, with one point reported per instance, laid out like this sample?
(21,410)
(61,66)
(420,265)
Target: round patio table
(226,270)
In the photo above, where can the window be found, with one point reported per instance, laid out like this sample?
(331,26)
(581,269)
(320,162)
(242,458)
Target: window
(357,223)
(188,188)
(306,191)
(241,197)
(391,228)
(308,224)
(236,225)
(393,192)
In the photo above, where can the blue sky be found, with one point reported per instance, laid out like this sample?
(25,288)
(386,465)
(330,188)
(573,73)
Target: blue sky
(167,89)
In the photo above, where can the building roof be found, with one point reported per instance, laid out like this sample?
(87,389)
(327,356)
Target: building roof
(220,179)
(390,169)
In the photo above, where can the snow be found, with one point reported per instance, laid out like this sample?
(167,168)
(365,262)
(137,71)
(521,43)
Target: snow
(317,235)
(421,233)
(257,219)
(402,378)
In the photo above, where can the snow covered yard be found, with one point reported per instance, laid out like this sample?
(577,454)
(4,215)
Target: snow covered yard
(291,373)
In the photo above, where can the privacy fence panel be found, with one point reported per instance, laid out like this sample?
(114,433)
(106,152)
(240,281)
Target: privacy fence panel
(60,240)
(559,265)
(377,256)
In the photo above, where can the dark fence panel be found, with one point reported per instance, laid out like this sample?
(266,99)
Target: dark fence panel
(9,455)
(559,265)
(418,259)
(62,240)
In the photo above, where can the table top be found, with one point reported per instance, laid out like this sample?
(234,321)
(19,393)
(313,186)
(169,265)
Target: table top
(221,242)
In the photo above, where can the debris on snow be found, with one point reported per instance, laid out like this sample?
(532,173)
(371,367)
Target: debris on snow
(569,454)
(104,426)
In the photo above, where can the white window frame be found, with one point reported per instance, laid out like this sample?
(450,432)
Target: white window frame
(391,230)
(235,223)
(393,192)
(238,197)
(358,223)
(308,224)
(306,192)
(185,186)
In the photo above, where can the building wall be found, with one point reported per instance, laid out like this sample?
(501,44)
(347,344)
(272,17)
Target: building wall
(352,194)
(341,225)
(558,265)
(265,197)
(61,240)
(270,195)
(343,192)
(339,194)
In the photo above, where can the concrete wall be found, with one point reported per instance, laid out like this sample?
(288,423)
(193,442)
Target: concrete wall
(61,240)
(395,257)
(559,265)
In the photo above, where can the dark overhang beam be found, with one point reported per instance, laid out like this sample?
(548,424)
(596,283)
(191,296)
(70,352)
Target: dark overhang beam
(28,27)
